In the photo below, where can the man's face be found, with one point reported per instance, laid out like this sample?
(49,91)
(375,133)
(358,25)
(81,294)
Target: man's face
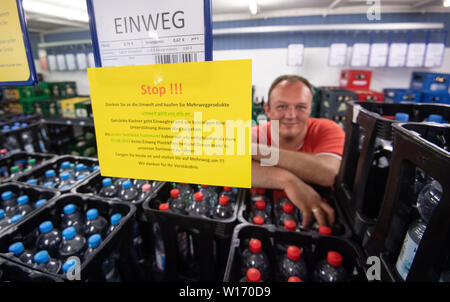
(290,103)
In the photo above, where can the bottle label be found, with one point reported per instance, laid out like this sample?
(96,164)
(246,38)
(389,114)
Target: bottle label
(160,259)
(406,257)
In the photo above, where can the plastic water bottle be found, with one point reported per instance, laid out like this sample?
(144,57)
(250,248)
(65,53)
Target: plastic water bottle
(24,207)
(65,183)
(95,224)
(119,181)
(290,225)
(32,181)
(128,193)
(81,169)
(186,192)
(145,192)
(228,191)
(209,195)
(65,168)
(8,203)
(291,264)
(49,239)
(80,177)
(50,177)
(19,251)
(138,183)
(44,262)
(71,217)
(252,275)
(428,199)
(259,194)
(289,213)
(260,210)
(223,210)
(72,244)
(255,257)
(30,165)
(49,185)
(115,221)
(93,243)
(11,143)
(40,203)
(15,170)
(177,203)
(258,220)
(109,265)
(15,219)
(279,203)
(3,220)
(27,139)
(330,269)
(200,207)
(68,265)
(160,253)
(108,190)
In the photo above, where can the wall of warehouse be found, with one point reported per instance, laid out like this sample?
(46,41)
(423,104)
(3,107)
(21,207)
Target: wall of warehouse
(269,51)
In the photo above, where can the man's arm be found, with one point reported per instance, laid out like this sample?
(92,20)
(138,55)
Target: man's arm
(317,169)
(298,192)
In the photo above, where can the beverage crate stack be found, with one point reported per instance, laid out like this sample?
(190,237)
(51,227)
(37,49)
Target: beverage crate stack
(272,208)
(359,81)
(268,255)
(26,136)
(192,229)
(362,178)
(15,164)
(425,87)
(411,234)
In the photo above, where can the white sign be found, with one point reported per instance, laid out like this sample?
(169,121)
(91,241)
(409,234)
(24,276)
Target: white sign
(397,54)
(81,61)
(139,32)
(378,54)
(295,55)
(338,55)
(61,60)
(52,65)
(416,54)
(71,63)
(360,54)
(434,54)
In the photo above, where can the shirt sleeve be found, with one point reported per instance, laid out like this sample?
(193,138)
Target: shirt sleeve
(330,139)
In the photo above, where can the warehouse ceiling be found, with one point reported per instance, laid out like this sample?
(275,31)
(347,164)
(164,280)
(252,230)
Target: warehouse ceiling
(51,16)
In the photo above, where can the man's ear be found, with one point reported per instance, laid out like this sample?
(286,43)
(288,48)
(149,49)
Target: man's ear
(267,109)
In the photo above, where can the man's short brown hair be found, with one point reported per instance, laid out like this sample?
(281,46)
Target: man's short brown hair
(292,79)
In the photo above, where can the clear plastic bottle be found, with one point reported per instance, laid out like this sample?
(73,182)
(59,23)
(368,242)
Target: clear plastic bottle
(288,213)
(109,268)
(186,192)
(259,194)
(290,225)
(32,181)
(49,239)
(81,169)
(19,251)
(200,207)
(145,192)
(255,257)
(260,210)
(50,176)
(138,183)
(49,185)
(27,139)
(3,220)
(65,183)
(44,262)
(24,206)
(291,264)
(72,217)
(128,193)
(95,224)
(228,191)
(8,203)
(108,190)
(93,243)
(65,167)
(40,203)
(258,220)
(209,195)
(278,208)
(330,269)
(31,163)
(15,170)
(11,143)
(224,209)
(115,221)
(177,203)
(160,253)
(252,275)
(72,244)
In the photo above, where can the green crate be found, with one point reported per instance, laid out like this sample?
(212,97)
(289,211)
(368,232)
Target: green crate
(47,108)
(28,103)
(83,109)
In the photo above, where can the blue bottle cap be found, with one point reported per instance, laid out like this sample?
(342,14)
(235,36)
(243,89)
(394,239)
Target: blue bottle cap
(23,125)
(402,117)
(92,214)
(6,195)
(80,177)
(69,233)
(23,199)
(14,127)
(69,209)
(32,181)
(126,184)
(17,124)
(41,257)
(96,167)
(16,218)
(49,173)
(16,248)
(115,219)
(46,227)
(65,165)
(40,202)
(106,182)
(65,176)
(2,214)
(79,167)
(68,265)
(94,240)
(49,184)
(5,128)
(436,118)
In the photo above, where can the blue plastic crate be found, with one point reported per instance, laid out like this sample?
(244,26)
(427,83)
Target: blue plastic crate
(430,82)
(436,98)
(393,95)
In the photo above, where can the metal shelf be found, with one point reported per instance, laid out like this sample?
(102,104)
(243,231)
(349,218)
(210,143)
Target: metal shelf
(83,122)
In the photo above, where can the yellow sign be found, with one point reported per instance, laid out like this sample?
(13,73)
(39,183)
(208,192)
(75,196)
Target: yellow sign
(13,58)
(186,122)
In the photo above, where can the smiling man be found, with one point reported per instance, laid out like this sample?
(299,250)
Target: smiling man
(310,149)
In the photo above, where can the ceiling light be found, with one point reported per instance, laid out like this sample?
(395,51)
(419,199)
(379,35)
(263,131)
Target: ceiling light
(253,6)
(446,3)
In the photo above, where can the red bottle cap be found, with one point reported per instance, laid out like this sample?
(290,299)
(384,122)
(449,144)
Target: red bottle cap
(334,258)
(198,196)
(293,253)
(290,225)
(255,245)
(260,191)
(253,275)
(294,279)
(164,207)
(227,189)
(174,193)
(253,191)
(205,186)
(258,220)
(260,204)
(3,151)
(288,208)
(146,187)
(324,230)
(223,200)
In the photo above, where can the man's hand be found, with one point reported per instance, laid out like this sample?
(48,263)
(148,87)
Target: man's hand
(309,202)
